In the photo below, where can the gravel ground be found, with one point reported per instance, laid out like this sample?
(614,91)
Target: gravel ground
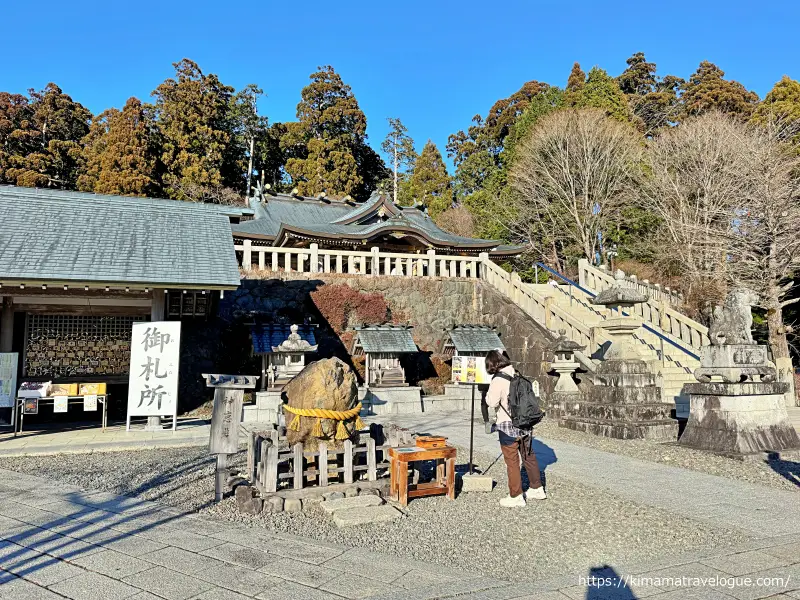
(783,474)
(577,527)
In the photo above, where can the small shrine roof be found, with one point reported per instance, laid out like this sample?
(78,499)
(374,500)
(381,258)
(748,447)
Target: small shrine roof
(396,339)
(267,336)
(475,339)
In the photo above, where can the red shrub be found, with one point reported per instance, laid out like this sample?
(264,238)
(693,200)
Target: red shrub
(340,305)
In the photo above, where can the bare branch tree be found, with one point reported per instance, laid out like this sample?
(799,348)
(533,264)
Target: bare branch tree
(572,174)
(695,173)
(763,243)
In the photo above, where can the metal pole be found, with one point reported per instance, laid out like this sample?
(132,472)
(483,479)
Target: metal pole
(536,268)
(472,430)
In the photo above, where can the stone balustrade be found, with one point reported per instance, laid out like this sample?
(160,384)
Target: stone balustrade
(352,262)
(657,311)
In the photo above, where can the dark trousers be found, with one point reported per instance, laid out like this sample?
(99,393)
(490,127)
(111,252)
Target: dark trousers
(512,448)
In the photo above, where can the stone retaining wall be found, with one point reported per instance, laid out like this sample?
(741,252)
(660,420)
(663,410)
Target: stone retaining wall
(430,305)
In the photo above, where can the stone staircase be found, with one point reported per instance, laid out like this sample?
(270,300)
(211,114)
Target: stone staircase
(673,371)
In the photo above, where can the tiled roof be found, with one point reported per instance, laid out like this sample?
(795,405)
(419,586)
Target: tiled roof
(289,210)
(385,338)
(269,335)
(51,235)
(475,339)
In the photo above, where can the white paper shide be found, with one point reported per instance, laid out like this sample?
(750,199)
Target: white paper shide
(155,355)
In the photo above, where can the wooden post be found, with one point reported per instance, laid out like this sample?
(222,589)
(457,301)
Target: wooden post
(219,480)
(326,263)
(298,466)
(262,257)
(339,265)
(275,264)
(7,324)
(322,464)
(431,263)
(348,461)
(372,471)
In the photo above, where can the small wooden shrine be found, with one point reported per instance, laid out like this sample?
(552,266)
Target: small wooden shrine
(471,340)
(383,345)
(283,350)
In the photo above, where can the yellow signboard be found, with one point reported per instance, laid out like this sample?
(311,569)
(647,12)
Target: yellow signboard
(469,369)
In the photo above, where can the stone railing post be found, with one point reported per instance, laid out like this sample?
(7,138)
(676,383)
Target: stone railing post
(247,255)
(376,264)
(314,258)
(431,262)
(583,268)
(484,258)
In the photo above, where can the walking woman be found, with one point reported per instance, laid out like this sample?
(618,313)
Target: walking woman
(513,442)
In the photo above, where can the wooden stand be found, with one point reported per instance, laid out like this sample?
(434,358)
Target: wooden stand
(445,482)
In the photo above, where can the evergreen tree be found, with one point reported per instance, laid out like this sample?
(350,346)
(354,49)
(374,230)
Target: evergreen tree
(270,157)
(781,104)
(399,148)
(248,127)
(42,147)
(430,181)
(326,147)
(196,122)
(601,91)
(708,90)
(576,79)
(120,153)
(639,77)
(653,101)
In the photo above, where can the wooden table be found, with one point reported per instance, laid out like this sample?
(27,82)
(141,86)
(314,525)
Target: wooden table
(445,482)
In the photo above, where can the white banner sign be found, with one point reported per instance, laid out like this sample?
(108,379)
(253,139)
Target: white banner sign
(60,404)
(155,354)
(90,402)
(8,378)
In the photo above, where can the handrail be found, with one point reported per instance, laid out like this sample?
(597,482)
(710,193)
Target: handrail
(644,325)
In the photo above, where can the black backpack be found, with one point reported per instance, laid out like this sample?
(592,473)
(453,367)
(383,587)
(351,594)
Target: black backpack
(523,404)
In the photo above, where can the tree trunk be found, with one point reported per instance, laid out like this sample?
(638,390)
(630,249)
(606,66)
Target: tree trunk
(777,330)
(250,167)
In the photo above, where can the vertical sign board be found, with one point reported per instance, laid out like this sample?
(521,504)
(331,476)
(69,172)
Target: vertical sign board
(225,418)
(155,355)
(8,378)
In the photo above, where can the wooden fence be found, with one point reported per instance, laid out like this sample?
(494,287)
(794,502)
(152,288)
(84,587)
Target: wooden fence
(272,468)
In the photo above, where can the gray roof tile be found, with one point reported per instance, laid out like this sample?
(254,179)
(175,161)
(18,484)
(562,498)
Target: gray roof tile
(50,235)
(474,339)
(385,338)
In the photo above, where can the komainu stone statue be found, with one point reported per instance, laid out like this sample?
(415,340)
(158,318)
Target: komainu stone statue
(732,323)
(322,405)
(737,408)
(733,355)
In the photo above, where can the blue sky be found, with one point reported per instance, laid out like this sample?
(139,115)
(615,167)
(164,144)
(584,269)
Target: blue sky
(433,64)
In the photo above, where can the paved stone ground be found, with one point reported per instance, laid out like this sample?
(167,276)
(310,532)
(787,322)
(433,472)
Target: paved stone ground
(57,541)
(90,437)
(757,510)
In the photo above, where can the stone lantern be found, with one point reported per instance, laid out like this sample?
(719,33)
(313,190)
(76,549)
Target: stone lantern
(564,363)
(621,328)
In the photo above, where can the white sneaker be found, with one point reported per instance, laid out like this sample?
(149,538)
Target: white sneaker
(509,502)
(536,494)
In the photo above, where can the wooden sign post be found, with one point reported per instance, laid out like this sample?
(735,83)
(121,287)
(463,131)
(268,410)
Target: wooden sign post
(225,419)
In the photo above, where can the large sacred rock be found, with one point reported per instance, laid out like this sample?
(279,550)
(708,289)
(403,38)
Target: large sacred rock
(327,384)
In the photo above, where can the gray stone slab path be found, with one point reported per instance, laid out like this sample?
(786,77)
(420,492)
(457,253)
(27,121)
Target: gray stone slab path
(59,541)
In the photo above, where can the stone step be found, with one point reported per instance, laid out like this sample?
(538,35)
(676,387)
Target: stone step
(362,516)
(332,506)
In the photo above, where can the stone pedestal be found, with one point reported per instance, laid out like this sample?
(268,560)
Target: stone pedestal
(739,419)
(623,403)
(265,410)
(394,400)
